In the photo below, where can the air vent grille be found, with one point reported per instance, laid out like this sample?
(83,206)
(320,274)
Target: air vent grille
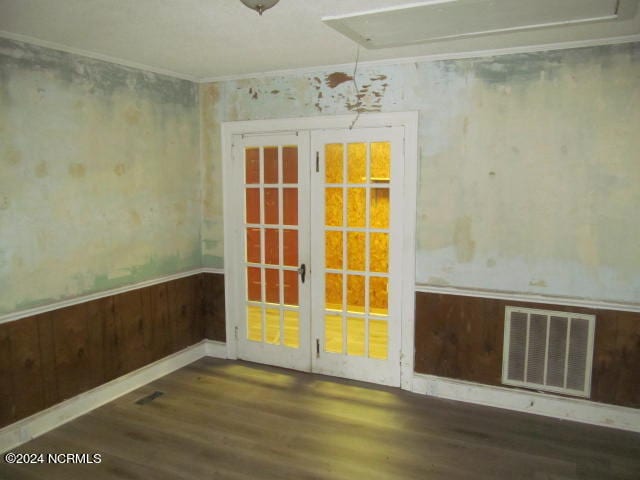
(548,350)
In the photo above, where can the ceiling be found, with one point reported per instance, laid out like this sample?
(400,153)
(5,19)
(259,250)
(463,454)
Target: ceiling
(211,39)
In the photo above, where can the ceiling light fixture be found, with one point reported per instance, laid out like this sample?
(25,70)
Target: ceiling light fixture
(259,5)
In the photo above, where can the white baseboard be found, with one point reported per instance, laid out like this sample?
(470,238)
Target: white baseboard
(217,271)
(31,427)
(215,349)
(576,410)
(563,408)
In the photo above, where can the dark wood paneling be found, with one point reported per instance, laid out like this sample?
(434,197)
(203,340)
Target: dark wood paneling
(112,338)
(70,339)
(49,357)
(214,307)
(156,307)
(28,393)
(198,324)
(451,341)
(50,385)
(7,401)
(462,337)
(133,326)
(183,309)
(78,342)
(605,377)
(624,364)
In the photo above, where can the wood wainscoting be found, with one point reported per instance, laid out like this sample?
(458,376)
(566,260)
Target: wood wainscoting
(461,337)
(53,356)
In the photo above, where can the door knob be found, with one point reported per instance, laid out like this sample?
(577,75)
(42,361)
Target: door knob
(302,271)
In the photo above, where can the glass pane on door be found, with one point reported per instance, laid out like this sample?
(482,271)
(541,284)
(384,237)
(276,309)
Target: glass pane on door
(271,247)
(356,196)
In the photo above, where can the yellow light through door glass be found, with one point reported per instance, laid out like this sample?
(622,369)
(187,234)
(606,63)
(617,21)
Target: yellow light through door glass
(355,336)
(333,154)
(379,256)
(378,339)
(356,163)
(291,329)
(333,291)
(254,323)
(378,295)
(273,326)
(333,207)
(355,251)
(355,293)
(333,249)
(333,333)
(379,205)
(357,206)
(380,162)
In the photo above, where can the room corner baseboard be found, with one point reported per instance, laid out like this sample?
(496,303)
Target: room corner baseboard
(31,427)
(576,410)
(563,408)
(215,349)
(217,271)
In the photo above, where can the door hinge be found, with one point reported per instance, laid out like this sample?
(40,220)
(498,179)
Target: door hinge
(317,348)
(317,162)
(236,333)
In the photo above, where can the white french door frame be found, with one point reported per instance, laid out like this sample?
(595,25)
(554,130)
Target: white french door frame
(233,205)
(278,355)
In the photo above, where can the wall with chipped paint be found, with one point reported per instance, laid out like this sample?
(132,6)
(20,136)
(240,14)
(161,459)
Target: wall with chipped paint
(529,168)
(529,163)
(99,176)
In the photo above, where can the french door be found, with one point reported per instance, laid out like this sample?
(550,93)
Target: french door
(356,268)
(275,312)
(320,277)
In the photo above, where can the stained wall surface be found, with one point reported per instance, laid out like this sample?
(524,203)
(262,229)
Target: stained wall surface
(99,176)
(529,163)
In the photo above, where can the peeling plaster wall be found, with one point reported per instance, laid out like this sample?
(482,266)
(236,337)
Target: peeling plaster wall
(529,164)
(211,146)
(99,176)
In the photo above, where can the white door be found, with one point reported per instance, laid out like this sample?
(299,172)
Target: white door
(275,326)
(327,206)
(356,238)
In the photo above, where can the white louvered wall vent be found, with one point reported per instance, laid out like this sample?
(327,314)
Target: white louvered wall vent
(548,350)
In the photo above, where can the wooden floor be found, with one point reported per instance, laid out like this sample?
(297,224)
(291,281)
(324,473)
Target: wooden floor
(220,419)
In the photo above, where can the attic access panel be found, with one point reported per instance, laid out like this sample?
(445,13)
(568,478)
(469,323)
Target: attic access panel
(449,19)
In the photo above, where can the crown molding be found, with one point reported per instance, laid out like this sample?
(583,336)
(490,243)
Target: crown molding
(96,56)
(429,58)
(318,68)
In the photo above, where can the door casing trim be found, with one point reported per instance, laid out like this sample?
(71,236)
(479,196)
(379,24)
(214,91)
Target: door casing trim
(407,120)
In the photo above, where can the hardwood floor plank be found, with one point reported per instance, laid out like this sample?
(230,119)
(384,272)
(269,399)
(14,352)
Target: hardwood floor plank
(237,420)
